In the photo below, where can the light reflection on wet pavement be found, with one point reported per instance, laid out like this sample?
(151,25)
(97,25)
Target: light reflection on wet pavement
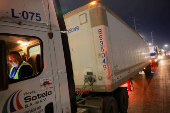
(151,93)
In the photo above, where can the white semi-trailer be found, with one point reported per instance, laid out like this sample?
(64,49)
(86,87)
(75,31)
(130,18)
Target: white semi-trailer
(105,51)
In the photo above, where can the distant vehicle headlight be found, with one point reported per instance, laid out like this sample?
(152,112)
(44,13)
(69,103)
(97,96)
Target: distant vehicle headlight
(160,57)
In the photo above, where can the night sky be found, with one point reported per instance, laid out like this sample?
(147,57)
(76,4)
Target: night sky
(151,16)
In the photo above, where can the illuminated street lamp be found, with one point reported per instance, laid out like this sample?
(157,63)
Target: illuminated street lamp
(165,46)
(150,44)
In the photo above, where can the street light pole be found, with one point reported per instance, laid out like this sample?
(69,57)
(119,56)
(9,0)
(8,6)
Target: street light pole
(152,38)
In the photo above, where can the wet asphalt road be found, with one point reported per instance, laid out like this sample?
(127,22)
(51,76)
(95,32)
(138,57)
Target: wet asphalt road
(151,93)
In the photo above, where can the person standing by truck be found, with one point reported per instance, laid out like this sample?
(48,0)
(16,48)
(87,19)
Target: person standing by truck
(20,69)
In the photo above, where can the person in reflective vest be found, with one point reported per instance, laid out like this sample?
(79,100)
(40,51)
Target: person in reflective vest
(20,69)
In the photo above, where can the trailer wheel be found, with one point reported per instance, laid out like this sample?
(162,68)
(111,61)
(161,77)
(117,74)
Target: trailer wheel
(121,96)
(148,70)
(110,105)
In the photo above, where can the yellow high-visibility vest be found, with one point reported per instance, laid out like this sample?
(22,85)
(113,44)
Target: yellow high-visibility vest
(17,73)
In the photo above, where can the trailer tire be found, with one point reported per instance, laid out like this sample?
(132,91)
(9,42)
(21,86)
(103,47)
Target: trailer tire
(110,105)
(121,96)
(148,70)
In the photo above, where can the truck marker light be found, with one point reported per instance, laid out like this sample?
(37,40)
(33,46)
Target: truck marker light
(92,3)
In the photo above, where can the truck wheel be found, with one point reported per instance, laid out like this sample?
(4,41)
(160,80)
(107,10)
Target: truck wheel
(110,105)
(148,70)
(121,96)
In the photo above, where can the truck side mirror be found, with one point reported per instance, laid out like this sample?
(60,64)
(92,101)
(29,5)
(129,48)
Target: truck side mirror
(3,67)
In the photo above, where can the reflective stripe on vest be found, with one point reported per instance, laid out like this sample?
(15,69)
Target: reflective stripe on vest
(17,73)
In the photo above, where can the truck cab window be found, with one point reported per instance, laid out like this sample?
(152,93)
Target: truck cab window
(34,50)
(19,60)
(35,58)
